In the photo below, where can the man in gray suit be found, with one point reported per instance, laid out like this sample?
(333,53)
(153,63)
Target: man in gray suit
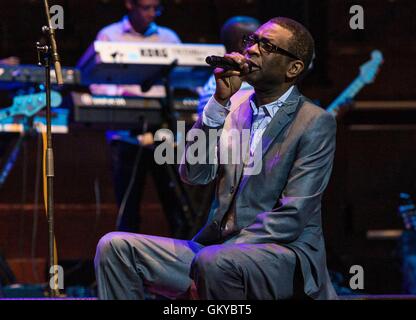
(264,231)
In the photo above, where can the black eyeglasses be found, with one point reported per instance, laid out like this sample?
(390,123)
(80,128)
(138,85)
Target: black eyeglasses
(266,45)
(158,9)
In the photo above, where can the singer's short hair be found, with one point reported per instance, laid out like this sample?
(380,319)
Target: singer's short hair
(301,44)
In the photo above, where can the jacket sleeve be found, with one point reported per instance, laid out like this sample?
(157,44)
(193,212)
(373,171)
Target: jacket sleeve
(301,197)
(199,164)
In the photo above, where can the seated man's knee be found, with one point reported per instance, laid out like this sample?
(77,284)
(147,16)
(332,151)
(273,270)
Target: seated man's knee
(108,246)
(211,262)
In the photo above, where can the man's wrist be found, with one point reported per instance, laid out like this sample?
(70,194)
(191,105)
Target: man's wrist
(214,113)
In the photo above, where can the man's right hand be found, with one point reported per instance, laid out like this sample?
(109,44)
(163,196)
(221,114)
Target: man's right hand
(228,82)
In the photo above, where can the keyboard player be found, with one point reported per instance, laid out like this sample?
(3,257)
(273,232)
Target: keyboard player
(138,26)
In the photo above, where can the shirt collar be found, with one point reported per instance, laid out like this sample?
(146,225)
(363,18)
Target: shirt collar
(128,28)
(271,108)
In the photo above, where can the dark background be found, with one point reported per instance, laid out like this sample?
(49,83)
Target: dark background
(375,155)
(389,26)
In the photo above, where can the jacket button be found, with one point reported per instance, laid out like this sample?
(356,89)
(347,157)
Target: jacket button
(232,189)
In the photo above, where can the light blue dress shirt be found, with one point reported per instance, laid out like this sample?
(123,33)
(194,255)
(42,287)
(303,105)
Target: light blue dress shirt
(124,31)
(214,115)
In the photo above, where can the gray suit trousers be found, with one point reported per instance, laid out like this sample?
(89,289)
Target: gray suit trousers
(127,264)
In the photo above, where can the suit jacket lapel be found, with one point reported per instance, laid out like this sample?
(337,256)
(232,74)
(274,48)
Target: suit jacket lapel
(241,120)
(280,120)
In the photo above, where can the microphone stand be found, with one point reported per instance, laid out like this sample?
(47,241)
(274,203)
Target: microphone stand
(48,54)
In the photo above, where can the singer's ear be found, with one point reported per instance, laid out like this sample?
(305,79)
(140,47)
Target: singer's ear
(295,68)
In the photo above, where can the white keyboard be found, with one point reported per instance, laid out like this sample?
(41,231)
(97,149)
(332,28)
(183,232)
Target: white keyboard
(155,53)
(133,63)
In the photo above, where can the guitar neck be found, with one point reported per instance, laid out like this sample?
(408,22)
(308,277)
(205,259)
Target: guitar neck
(349,93)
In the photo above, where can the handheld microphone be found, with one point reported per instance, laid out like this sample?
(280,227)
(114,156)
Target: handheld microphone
(220,62)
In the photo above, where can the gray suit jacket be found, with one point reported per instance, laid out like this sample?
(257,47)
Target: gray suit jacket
(281,204)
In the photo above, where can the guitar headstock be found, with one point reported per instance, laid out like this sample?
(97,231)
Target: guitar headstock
(369,69)
(367,74)
(31,104)
(407,210)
